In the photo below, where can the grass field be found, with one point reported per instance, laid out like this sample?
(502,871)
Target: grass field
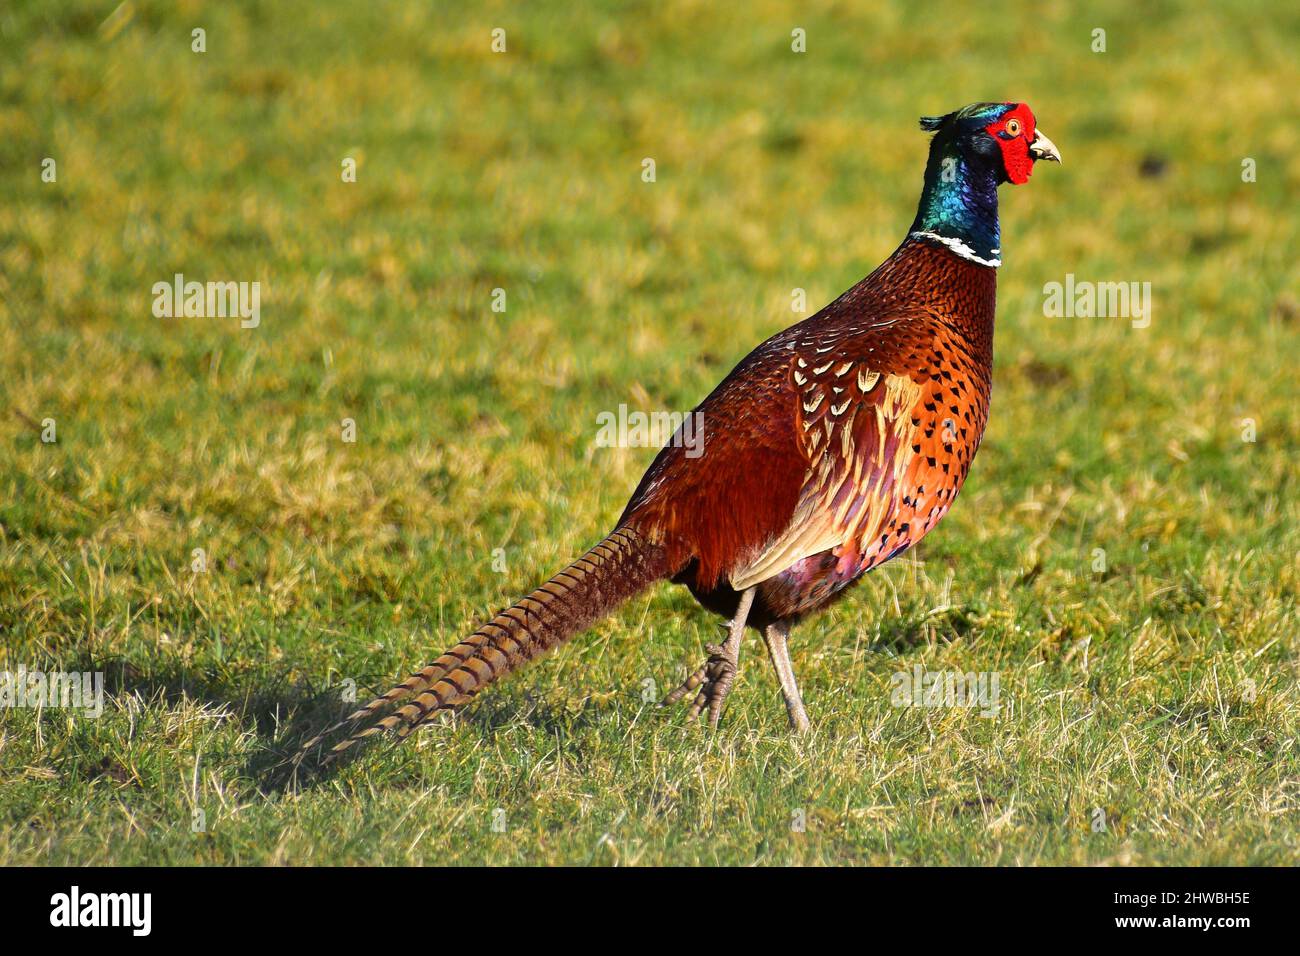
(1124,557)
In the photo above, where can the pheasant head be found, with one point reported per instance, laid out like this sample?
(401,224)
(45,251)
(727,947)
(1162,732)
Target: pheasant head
(974,150)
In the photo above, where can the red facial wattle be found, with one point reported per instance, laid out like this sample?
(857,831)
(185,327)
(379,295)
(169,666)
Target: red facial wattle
(1013,133)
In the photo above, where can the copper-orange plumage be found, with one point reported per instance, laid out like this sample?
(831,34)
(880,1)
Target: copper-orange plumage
(832,447)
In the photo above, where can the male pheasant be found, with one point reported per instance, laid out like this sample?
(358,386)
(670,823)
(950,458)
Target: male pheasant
(834,446)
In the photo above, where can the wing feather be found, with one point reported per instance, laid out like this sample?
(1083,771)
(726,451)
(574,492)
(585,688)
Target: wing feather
(855,426)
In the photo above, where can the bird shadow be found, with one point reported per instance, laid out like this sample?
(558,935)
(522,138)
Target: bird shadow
(902,634)
(285,713)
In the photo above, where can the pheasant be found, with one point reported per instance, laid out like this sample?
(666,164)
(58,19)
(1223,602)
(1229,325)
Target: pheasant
(831,448)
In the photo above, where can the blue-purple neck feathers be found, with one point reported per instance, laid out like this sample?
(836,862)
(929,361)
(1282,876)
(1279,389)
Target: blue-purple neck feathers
(959,207)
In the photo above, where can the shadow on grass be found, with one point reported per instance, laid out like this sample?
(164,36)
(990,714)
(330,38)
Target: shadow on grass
(484,718)
(284,713)
(900,635)
(287,714)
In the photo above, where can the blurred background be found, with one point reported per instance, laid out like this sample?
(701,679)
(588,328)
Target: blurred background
(1170,449)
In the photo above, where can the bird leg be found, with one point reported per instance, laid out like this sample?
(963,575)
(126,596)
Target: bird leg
(716,676)
(775,635)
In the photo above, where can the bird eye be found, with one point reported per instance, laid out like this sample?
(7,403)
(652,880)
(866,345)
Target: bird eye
(1013,127)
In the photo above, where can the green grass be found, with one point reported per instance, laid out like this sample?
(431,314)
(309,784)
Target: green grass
(1161,691)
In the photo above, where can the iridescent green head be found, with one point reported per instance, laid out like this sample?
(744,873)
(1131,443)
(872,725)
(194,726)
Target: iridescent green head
(974,150)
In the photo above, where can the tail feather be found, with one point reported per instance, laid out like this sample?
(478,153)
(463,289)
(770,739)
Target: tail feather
(621,565)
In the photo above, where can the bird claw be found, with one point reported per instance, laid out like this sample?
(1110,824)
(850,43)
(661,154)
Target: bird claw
(714,680)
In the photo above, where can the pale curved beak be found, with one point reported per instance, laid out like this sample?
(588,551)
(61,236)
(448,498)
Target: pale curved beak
(1044,148)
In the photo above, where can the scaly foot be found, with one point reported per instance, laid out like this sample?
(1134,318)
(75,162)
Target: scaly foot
(714,679)
(717,675)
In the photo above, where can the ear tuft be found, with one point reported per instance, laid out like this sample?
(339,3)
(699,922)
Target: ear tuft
(932,124)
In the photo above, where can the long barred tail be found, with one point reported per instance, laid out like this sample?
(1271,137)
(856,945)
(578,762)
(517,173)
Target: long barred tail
(620,566)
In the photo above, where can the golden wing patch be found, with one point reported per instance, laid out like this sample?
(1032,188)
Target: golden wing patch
(854,425)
